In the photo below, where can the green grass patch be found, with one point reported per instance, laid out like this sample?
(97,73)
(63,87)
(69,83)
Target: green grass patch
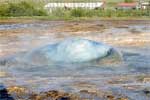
(33,10)
(22,8)
(79,12)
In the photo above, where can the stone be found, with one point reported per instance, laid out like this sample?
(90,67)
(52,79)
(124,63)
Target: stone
(146,91)
(3,74)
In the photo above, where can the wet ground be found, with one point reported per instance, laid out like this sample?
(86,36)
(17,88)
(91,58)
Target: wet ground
(129,80)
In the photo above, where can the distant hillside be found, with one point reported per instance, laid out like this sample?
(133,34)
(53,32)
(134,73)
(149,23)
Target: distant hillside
(108,1)
(64,0)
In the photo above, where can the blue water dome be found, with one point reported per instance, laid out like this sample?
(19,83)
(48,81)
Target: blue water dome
(73,50)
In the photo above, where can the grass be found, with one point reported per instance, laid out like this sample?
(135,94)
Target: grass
(21,9)
(74,13)
(28,18)
(34,10)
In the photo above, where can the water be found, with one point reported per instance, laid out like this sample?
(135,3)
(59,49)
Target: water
(126,79)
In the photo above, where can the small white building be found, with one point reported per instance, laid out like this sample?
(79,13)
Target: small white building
(51,6)
(145,5)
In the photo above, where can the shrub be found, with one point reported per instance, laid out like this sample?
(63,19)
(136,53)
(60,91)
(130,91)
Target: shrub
(4,9)
(22,8)
(128,1)
(58,12)
(79,12)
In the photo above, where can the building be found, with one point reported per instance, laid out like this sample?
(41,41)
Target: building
(127,6)
(144,5)
(91,5)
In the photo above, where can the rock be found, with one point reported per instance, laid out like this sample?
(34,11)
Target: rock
(53,95)
(4,95)
(3,74)
(64,98)
(122,98)
(146,80)
(18,92)
(111,97)
(146,91)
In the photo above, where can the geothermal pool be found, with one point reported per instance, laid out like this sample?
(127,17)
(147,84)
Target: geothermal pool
(129,80)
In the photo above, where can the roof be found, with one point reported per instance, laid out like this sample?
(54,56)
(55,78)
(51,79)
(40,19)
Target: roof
(71,5)
(134,4)
(145,3)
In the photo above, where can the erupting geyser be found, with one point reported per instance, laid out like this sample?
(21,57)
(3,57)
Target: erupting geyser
(75,50)
(71,51)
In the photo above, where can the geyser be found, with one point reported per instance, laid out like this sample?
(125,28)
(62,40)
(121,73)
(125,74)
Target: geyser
(73,51)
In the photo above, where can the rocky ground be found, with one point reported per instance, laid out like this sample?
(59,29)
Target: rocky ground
(132,38)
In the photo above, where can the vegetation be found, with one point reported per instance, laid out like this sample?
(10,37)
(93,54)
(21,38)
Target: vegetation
(84,13)
(24,8)
(114,13)
(21,9)
(128,1)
